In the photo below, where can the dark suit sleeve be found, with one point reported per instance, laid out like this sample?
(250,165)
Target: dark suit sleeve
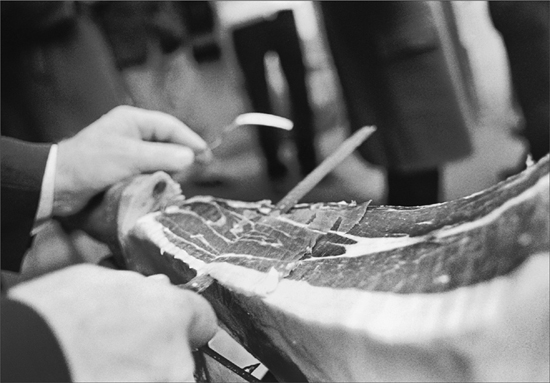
(30,351)
(23,167)
(26,21)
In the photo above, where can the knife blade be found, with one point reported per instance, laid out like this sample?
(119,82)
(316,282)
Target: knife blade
(312,179)
(198,284)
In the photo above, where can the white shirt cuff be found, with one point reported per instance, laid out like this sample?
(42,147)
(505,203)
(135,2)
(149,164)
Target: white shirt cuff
(45,205)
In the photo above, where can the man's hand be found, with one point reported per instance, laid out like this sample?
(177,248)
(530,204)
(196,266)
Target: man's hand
(124,142)
(119,325)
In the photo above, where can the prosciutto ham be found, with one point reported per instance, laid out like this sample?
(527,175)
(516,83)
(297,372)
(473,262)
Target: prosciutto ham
(456,291)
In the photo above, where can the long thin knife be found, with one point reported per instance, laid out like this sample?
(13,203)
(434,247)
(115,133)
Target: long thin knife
(312,179)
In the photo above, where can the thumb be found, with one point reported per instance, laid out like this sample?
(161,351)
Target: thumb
(200,318)
(155,156)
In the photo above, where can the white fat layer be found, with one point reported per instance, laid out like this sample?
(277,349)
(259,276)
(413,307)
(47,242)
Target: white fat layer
(243,280)
(155,233)
(344,323)
(385,316)
(233,203)
(407,317)
(248,256)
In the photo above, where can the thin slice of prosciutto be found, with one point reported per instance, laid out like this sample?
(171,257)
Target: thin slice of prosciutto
(456,291)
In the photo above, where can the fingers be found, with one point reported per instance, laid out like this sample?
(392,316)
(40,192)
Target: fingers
(203,324)
(160,278)
(159,126)
(101,317)
(154,156)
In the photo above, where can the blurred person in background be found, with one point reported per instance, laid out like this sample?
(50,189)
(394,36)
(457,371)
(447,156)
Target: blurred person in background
(393,74)
(58,74)
(61,60)
(524,28)
(254,35)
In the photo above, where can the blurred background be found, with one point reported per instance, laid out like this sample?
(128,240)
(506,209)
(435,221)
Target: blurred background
(208,92)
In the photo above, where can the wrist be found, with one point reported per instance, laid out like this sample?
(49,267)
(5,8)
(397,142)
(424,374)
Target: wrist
(45,204)
(68,190)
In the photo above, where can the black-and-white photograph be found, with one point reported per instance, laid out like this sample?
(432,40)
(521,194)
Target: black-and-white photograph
(275,191)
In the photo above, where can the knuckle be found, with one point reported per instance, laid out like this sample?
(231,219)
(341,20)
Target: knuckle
(122,109)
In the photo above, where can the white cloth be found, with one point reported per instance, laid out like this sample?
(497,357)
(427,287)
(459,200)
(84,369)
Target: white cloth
(45,205)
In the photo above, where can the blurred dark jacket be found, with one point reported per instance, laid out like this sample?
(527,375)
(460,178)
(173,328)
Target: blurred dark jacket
(130,26)
(525,30)
(390,61)
(23,167)
(58,74)
(30,351)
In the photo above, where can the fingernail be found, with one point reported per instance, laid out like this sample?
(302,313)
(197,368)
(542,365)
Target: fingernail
(186,157)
